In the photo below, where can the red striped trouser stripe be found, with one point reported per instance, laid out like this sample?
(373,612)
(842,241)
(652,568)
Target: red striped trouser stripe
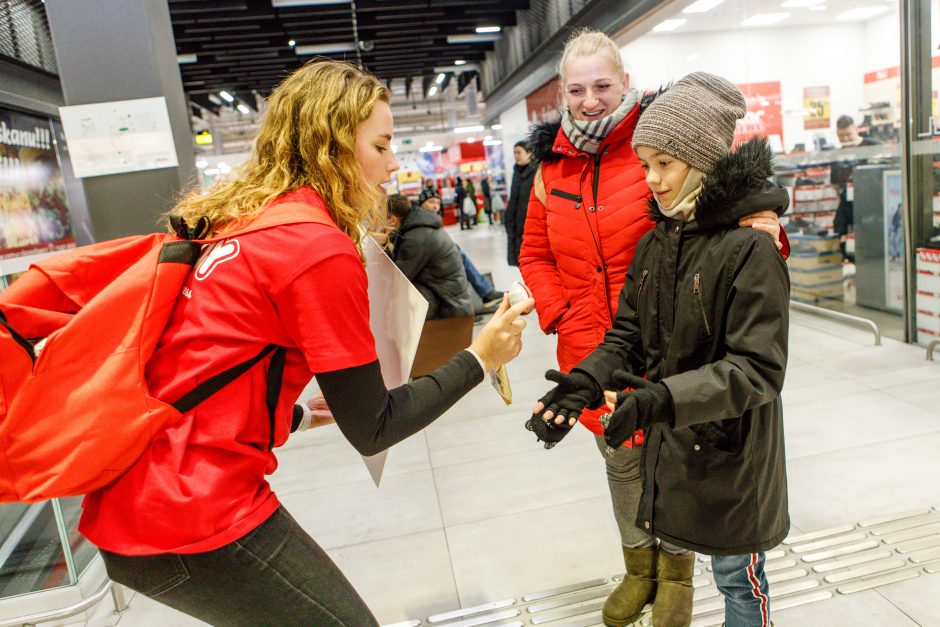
(755,590)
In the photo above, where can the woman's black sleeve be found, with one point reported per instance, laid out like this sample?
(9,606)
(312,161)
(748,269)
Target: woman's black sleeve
(374,418)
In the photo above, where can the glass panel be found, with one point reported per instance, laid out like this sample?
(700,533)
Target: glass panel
(83,551)
(924,166)
(806,69)
(31,557)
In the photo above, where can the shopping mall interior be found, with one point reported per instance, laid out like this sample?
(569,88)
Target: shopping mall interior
(109,109)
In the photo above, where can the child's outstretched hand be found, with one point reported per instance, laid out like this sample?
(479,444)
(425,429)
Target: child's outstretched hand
(647,404)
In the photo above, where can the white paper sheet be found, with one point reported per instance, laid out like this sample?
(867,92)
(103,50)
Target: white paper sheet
(396,316)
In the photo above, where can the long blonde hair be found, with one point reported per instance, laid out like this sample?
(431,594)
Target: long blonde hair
(586,42)
(307,137)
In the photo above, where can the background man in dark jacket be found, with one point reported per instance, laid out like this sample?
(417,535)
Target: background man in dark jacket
(430,259)
(518,204)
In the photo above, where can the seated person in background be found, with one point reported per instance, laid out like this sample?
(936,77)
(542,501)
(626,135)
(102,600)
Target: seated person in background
(490,297)
(848,134)
(430,259)
(430,191)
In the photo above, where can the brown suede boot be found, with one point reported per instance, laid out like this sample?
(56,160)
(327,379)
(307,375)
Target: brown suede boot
(626,602)
(673,605)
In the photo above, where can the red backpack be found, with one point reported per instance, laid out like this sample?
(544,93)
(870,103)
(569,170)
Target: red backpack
(77,415)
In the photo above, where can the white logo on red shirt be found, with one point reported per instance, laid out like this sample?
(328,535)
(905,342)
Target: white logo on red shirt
(215,254)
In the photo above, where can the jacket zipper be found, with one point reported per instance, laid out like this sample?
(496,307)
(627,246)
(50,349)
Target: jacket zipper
(19,339)
(594,185)
(639,291)
(697,290)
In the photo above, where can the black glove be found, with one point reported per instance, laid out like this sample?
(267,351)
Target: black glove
(575,392)
(647,404)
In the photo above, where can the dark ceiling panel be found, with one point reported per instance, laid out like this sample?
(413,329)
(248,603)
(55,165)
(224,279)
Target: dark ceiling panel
(243,44)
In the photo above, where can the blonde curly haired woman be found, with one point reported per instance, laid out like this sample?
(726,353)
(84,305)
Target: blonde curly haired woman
(194,524)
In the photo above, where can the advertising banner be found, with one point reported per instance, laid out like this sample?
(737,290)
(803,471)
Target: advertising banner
(34,213)
(816,108)
(764,114)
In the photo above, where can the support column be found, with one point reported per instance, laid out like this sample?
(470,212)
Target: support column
(110,50)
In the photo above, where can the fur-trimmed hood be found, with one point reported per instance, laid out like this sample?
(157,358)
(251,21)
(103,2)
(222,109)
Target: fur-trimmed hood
(542,135)
(737,187)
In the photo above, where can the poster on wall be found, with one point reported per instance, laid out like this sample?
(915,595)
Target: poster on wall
(543,103)
(764,114)
(34,213)
(119,136)
(894,241)
(816,108)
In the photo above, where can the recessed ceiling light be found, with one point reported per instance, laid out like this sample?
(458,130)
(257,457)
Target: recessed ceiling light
(460,62)
(765,19)
(186,58)
(702,6)
(243,108)
(291,43)
(668,25)
(468,129)
(227,97)
(431,148)
(440,78)
(433,91)
(488,29)
(324,48)
(861,13)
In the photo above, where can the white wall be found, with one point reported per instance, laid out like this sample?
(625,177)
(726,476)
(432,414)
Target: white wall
(515,127)
(837,55)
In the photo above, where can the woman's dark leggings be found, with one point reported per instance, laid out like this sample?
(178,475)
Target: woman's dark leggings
(275,575)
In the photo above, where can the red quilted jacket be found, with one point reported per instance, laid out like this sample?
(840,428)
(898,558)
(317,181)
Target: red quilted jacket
(576,247)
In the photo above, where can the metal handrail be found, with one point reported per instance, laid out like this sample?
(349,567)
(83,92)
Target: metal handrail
(933,344)
(71,610)
(838,315)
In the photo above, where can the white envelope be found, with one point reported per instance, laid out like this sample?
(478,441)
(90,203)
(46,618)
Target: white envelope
(396,316)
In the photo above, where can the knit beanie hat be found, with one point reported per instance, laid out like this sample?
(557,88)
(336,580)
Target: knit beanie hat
(693,120)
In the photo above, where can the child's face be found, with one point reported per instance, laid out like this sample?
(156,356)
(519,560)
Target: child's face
(664,174)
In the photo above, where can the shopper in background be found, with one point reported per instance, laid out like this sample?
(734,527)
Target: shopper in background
(517,205)
(586,214)
(194,524)
(487,199)
(849,136)
(460,194)
(472,195)
(430,191)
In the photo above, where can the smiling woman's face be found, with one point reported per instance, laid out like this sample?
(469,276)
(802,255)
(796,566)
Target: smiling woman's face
(592,88)
(374,146)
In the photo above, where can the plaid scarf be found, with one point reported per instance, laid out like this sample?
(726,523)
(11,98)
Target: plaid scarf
(588,136)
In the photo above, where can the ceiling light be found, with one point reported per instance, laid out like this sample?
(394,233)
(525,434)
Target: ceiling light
(667,25)
(497,127)
(471,39)
(432,91)
(470,140)
(492,142)
(291,43)
(701,6)
(324,48)
(800,4)
(244,108)
(431,148)
(214,99)
(227,97)
(765,19)
(186,58)
(460,62)
(468,129)
(861,13)
(440,78)
(488,29)
(280,4)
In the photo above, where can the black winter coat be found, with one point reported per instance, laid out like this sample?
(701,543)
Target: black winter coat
(517,207)
(431,260)
(705,311)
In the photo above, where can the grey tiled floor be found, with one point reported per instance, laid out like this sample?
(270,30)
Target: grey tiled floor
(472,511)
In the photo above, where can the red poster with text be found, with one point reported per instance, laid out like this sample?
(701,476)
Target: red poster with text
(764,113)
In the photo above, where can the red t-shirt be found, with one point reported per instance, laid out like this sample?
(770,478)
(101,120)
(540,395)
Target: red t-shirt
(201,483)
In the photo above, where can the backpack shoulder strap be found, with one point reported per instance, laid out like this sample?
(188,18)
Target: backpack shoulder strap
(538,185)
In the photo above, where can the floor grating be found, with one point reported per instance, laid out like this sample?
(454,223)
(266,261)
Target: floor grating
(808,568)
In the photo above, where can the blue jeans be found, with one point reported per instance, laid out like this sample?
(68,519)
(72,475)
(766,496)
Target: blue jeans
(477,281)
(742,581)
